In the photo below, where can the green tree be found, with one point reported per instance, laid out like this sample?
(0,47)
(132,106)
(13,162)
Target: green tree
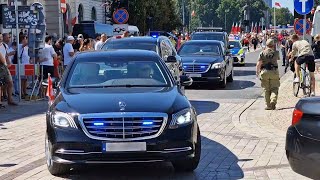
(163,13)
(283,16)
(230,10)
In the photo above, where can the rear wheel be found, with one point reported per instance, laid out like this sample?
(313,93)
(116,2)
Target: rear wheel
(190,164)
(307,85)
(53,167)
(296,87)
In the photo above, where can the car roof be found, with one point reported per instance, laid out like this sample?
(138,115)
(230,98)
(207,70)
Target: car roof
(204,41)
(138,39)
(139,55)
(222,33)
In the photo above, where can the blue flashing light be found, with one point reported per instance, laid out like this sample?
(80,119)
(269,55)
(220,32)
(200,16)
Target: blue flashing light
(202,67)
(185,67)
(154,36)
(147,123)
(98,124)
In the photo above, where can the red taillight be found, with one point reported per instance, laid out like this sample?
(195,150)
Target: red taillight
(296,116)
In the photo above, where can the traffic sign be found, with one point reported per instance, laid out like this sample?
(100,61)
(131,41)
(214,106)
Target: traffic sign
(298,26)
(303,7)
(27,17)
(121,16)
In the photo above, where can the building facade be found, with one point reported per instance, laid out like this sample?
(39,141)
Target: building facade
(76,11)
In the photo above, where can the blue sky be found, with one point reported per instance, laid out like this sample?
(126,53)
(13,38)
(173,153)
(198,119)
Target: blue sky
(285,3)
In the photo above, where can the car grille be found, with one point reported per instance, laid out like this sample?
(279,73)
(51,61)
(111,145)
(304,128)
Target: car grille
(123,126)
(196,68)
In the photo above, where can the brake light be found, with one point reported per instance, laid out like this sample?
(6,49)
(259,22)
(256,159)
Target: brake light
(296,116)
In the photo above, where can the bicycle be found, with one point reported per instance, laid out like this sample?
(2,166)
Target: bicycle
(305,82)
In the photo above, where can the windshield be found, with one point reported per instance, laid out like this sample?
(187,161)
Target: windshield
(200,49)
(218,37)
(130,45)
(118,73)
(236,44)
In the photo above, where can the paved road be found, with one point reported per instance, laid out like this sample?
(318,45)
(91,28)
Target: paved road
(228,152)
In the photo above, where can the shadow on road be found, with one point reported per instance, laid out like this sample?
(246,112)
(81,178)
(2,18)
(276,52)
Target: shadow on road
(217,162)
(246,65)
(244,73)
(25,109)
(235,85)
(205,106)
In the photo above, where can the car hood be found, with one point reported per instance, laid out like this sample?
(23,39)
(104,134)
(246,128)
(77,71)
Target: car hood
(84,101)
(201,59)
(235,51)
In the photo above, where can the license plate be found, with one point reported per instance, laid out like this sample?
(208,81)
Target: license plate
(124,147)
(194,75)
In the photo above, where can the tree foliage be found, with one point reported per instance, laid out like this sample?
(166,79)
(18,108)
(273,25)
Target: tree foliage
(163,14)
(283,16)
(214,12)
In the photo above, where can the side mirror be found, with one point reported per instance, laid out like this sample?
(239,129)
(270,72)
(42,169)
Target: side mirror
(171,59)
(185,80)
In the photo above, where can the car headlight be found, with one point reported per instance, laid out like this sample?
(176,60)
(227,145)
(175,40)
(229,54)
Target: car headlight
(65,120)
(181,118)
(216,66)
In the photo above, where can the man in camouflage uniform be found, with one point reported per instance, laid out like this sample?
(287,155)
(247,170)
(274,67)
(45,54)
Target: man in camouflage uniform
(267,70)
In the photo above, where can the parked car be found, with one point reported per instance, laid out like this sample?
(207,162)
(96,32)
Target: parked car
(161,45)
(219,36)
(303,138)
(207,61)
(121,106)
(90,29)
(238,52)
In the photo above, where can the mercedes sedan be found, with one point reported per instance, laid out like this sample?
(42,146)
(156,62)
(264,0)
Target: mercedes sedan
(121,106)
(206,61)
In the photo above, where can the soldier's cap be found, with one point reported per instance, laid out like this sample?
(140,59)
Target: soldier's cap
(270,42)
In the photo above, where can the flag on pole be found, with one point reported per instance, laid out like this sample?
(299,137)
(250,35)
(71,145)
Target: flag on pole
(50,89)
(235,28)
(239,28)
(232,28)
(277,4)
(74,21)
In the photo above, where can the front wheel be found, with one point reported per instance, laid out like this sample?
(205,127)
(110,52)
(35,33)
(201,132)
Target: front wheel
(307,86)
(223,83)
(54,168)
(230,77)
(190,164)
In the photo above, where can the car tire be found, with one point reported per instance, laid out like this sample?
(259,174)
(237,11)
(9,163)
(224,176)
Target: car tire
(54,168)
(190,164)
(230,77)
(223,83)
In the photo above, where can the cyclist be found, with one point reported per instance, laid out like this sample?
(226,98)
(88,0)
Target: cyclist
(305,55)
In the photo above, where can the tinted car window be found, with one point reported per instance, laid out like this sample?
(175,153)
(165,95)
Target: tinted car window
(130,45)
(117,73)
(236,44)
(200,49)
(218,37)
(165,49)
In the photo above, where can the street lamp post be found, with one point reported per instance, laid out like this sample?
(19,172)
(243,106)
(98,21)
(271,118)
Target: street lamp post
(225,19)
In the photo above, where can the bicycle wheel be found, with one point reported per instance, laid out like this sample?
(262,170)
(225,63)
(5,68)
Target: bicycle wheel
(296,87)
(307,85)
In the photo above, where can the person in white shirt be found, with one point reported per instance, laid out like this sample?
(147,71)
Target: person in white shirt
(47,56)
(100,43)
(24,59)
(68,51)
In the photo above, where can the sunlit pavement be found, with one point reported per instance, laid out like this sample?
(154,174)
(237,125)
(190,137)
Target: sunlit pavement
(237,140)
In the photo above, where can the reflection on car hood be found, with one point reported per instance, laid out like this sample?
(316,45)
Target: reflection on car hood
(201,59)
(101,100)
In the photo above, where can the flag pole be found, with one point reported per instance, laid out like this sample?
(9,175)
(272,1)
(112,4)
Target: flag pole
(274,17)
